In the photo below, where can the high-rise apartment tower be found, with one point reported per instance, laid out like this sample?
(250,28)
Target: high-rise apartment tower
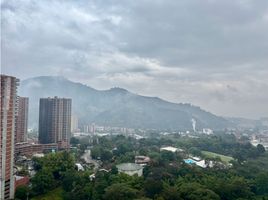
(22,120)
(55,121)
(8,102)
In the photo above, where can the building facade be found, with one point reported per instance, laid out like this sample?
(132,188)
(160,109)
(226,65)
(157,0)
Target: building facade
(8,102)
(22,120)
(29,150)
(55,121)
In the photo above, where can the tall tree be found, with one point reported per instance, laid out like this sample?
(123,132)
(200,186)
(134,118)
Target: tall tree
(120,191)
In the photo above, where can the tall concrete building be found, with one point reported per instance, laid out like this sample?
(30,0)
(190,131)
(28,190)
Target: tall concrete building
(22,120)
(74,124)
(55,121)
(7,140)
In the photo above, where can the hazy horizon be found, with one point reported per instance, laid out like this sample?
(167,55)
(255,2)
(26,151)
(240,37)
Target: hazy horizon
(212,54)
(106,89)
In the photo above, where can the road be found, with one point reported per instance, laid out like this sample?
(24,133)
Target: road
(88,159)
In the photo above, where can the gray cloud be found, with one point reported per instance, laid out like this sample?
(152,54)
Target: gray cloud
(210,53)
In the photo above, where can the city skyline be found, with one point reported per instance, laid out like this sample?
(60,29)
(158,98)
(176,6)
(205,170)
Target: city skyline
(211,54)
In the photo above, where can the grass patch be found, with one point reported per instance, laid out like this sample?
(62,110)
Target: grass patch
(55,194)
(224,158)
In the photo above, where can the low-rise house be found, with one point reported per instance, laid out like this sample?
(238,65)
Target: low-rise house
(142,160)
(21,180)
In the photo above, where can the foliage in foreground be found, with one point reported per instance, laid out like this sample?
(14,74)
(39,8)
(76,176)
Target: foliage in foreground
(166,177)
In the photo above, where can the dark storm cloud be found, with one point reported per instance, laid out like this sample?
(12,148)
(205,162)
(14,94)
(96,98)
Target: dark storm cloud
(211,53)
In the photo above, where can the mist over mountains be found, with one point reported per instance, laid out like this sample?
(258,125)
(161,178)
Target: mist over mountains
(117,106)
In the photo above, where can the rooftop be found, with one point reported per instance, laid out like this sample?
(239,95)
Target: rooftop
(172,149)
(129,167)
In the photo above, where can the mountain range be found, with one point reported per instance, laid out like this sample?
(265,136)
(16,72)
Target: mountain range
(117,107)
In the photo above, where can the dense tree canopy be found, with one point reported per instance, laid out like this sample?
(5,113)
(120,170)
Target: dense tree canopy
(166,177)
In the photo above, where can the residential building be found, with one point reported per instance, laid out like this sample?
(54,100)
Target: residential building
(22,120)
(55,121)
(8,102)
(21,181)
(27,149)
(142,160)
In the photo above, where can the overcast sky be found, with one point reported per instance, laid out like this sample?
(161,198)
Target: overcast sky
(211,53)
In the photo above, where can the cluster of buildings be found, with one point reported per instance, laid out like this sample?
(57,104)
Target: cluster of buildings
(189,159)
(261,138)
(93,128)
(54,130)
